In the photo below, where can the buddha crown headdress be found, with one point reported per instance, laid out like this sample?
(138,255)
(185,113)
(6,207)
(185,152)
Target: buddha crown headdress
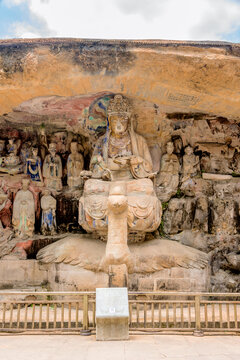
(119,105)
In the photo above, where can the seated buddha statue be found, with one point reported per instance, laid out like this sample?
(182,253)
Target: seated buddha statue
(119,199)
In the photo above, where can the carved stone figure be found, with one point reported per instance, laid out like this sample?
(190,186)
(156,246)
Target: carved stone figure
(5,210)
(60,139)
(173,217)
(122,157)
(33,166)
(217,159)
(25,153)
(74,166)
(191,164)
(168,179)
(24,211)
(13,146)
(43,143)
(222,210)
(12,163)
(236,163)
(52,169)
(200,221)
(48,206)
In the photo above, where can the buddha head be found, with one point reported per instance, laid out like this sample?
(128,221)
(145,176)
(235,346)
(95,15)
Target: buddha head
(188,150)
(25,184)
(170,148)
(35,152)
(52,149)
(74,147)
(46,192)
(119,115)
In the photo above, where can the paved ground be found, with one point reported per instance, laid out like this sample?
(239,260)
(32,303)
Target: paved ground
(139,347)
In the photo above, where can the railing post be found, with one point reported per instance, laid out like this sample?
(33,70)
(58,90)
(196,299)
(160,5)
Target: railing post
(85,330)
(198,331)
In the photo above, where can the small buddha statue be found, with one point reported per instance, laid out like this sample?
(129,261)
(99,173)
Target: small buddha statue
(74,166)
(48,206)
(12,161)
(190,164)
(24,211)
(52,169)
(33,166)
(168,179)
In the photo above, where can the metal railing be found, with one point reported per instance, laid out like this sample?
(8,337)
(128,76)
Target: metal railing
(148,311)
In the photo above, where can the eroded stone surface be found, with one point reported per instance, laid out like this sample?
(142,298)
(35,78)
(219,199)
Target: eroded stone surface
(185,94)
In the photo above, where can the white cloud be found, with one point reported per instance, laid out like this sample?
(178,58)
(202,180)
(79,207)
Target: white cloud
(23,30)
(129,19)
(148,9)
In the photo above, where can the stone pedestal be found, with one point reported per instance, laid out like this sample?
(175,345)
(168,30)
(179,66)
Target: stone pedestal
(112,314)
(118,276)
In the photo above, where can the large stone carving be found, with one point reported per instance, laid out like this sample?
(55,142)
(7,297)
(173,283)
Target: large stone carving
(148,257)
(168,178)
(181,102)
(119,204)
(24,211)
(122,157)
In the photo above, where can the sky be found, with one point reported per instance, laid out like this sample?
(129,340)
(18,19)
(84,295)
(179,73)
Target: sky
(121,19)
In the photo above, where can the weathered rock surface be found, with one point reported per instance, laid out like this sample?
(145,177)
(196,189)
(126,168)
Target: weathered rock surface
(186,93)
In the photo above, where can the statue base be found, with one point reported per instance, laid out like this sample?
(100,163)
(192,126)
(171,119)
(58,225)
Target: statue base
(31,274)
(118,276)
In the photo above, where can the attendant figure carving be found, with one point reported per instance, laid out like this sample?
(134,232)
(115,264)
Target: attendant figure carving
(48,206)
(168,179)
(25,153)
(12,161)
(52,169)
(33,166)
(24,211)
(74,166)
(191,164)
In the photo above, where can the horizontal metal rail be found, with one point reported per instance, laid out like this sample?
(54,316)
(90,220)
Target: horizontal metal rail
(148,311)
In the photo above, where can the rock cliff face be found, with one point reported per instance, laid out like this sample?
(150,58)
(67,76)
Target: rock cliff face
(186,94)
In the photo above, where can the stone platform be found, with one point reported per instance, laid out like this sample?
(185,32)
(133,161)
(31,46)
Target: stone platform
(15,274)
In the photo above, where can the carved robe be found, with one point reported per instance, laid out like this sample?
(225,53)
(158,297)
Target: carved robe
(24,213)
(48,222)
(34,169)
(139,147)
(74,167)
(52,172)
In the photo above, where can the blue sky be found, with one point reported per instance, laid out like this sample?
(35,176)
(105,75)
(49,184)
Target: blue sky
(11,15)
(136,19)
